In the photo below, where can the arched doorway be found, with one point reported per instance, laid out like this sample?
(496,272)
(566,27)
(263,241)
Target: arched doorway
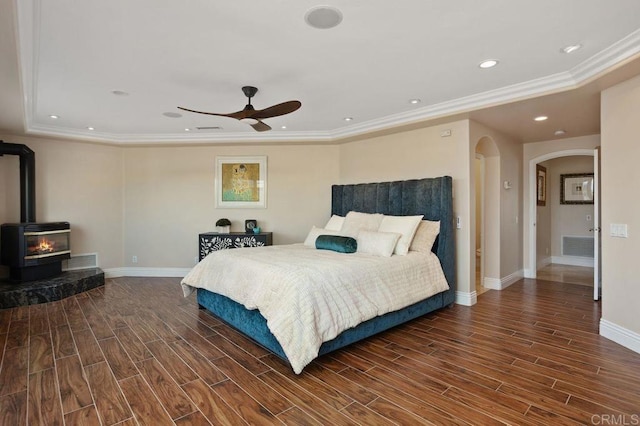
(531,259)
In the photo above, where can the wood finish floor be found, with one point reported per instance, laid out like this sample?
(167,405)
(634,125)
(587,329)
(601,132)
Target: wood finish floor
(135,352)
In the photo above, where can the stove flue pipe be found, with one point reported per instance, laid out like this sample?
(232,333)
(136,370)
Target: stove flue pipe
(27,178)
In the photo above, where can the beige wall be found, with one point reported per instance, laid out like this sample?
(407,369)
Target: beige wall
(170,198)
(620,110)
(417,154)
(78,182)
(151,202)
(567,219)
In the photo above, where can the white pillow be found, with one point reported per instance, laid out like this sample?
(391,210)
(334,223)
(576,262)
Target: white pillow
(426,235)
(335,223)
(315,233)
(377,243)
(354,222)
(404,225)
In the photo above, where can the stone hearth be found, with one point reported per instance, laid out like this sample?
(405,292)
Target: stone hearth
(67,284)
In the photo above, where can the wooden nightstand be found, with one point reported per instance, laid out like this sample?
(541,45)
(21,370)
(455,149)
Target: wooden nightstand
(212,241)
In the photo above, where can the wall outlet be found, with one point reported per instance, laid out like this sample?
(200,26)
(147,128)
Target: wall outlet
(134,259)
(458,223)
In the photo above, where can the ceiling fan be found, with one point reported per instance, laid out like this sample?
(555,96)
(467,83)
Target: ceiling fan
(249,112)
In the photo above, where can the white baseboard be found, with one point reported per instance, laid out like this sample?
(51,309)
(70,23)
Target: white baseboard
(573,261)
(466,299)
(502,283)
(627,338)
(544,262)
(146,272)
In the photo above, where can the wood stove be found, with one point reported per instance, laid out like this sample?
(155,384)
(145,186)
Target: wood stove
(31,250)
(35,251)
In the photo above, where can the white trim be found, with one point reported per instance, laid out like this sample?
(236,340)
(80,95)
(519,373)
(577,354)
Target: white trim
(466,299)
(544,262)
(146,272)
(504,282)
(627,338)
(492,283)
(573,261)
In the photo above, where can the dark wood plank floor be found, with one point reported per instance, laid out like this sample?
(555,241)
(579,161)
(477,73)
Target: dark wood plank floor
(135,352)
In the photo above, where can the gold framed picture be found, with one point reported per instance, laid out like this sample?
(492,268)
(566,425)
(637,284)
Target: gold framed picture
(241,182)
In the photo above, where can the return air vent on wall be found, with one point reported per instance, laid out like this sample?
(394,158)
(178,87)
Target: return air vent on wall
(80,261)
(577,246)
(209,128)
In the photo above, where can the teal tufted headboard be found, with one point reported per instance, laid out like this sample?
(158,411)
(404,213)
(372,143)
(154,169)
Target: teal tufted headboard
(431,197)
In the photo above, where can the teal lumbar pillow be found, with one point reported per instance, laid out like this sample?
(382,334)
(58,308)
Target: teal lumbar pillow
(338,243)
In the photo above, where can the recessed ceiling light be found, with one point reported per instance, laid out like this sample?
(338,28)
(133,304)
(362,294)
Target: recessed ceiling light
(415,101)
(119,93)
(187,129)
(55,117)
(323,17)
(90,128)
(559,132)
(571,48)
(489,63)
(348,118)
(541,118)
(172,114)
(283,127)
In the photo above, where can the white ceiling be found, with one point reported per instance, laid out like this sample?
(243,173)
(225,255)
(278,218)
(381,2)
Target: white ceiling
(67,57)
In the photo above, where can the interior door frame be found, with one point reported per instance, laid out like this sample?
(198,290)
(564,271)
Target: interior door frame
(531,262)
(597,218)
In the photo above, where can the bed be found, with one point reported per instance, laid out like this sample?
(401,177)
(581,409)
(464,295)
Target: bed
(430,197)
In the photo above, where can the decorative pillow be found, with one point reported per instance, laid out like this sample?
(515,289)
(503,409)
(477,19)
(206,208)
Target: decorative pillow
(337,243)
(377,243)
(354,222)
(405,226)
(335,223)
(314,233)
(426,235)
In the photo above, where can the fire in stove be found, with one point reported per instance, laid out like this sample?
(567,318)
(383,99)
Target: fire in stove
(35,250)
(46,247)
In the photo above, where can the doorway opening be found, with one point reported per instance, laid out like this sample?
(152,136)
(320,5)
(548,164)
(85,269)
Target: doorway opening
(561,233)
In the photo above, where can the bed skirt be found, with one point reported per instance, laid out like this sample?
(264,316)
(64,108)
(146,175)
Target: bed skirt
(252,324)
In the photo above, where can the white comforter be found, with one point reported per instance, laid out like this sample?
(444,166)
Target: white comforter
(310,296)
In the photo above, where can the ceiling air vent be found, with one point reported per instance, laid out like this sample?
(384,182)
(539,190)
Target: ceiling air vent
(209,128)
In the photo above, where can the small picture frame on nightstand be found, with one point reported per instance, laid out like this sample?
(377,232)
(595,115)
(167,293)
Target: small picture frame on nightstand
(249,224)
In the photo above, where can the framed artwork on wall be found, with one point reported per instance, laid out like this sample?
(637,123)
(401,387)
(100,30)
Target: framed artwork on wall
(541,185)
(576,188)
(241,182)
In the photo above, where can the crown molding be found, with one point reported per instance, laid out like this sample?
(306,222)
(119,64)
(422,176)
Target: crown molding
(28,15)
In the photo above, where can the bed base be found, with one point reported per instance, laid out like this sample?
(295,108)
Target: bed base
(253,325)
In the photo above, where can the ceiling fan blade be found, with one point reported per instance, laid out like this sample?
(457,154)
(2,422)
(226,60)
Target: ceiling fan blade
(276,110)
(260,126)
